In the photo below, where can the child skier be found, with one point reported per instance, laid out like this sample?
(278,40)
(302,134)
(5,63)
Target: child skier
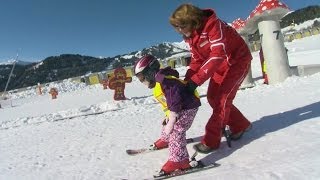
(179,105)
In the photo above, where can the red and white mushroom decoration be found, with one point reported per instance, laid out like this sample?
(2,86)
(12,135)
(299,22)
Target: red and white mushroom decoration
(265,10)
(238,25)
(266,17)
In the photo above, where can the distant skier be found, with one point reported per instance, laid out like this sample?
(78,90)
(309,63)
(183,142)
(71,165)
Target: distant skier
(178,104)
(263,67)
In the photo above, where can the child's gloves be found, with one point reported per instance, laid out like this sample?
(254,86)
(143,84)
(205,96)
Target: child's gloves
(172,120)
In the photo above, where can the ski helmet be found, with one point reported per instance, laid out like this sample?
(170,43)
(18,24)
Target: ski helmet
(146,68)
(146,63)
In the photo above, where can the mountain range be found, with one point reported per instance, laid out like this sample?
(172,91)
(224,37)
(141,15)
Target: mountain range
(65,66)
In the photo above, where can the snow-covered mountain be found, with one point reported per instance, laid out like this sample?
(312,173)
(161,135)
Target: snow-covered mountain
(11,61)
(72,65)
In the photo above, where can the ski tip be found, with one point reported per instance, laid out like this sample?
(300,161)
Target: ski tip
(131,152)
(214,164)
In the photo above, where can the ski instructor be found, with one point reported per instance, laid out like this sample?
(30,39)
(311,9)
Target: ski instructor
(218,53)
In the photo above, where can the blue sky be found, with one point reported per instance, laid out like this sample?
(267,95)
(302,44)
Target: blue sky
(36,29)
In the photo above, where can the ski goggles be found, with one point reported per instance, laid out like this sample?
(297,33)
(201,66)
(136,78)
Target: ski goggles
(148,76)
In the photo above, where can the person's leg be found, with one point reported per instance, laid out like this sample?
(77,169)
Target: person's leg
(163,141)
(178,153)
(177,139)
(234,118)
(237,121)
(222,103)
(212,136)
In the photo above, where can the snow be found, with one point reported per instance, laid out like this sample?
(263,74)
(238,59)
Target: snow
(181,45)
(308,49)
(301,26)
(49,139)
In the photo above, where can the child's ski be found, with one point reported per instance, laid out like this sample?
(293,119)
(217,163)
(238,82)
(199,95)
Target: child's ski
(133,152)
(199,167)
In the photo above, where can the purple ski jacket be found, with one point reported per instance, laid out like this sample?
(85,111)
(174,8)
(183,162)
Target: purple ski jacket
(177,96)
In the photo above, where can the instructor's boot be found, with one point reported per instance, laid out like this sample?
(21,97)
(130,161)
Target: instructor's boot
(238,135)
(202,148)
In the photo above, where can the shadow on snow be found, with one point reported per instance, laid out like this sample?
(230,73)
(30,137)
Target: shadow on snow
(265,125)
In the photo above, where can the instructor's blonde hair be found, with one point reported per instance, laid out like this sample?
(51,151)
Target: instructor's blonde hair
(187,15)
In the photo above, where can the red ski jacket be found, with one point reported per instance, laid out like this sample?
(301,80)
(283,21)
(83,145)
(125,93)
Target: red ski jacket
(215,48)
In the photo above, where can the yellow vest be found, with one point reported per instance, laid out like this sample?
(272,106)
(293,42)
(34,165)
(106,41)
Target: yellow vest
(160,97)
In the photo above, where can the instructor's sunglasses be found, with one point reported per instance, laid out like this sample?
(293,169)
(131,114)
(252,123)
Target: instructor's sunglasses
(180,27)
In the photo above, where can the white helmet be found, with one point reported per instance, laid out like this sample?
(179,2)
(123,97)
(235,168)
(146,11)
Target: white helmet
(145,64)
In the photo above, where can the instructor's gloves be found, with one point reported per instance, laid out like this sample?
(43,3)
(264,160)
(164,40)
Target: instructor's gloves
(189,74)
(172,120)
(191,86)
